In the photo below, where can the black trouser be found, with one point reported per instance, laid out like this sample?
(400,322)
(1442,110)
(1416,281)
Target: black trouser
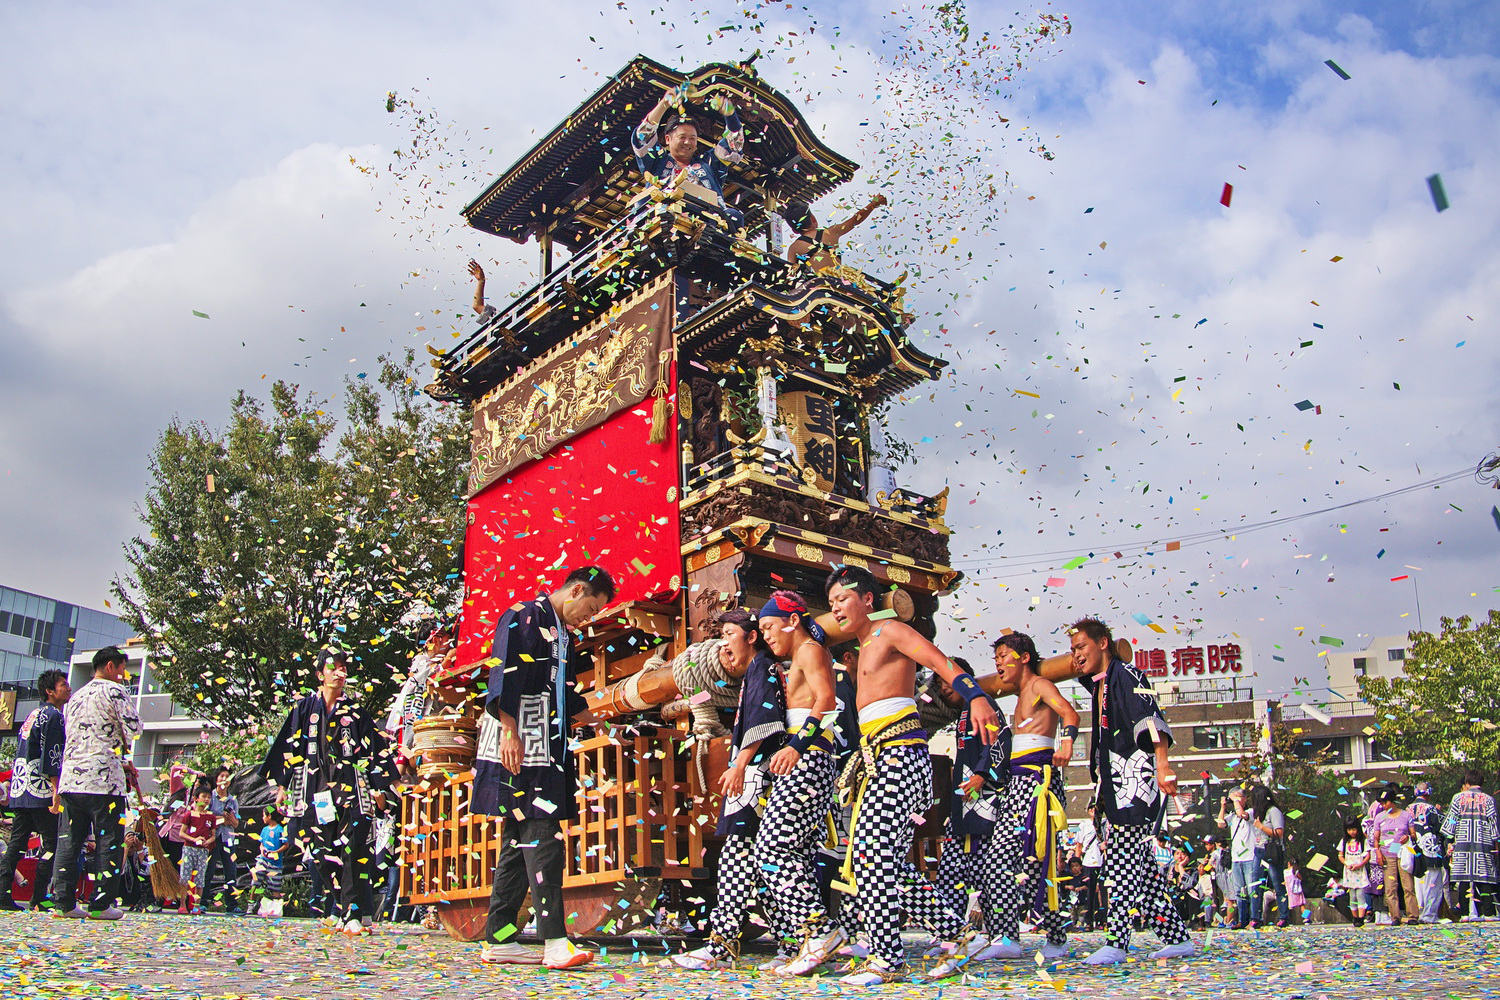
(24,822)
(134,886)
(531,857)
(104,816)
(222,858)
(1483,894)
(1092,906)
(342,853)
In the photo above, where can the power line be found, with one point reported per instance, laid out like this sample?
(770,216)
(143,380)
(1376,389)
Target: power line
(992,564)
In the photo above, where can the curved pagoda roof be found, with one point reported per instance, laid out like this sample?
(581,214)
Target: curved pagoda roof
(579,178)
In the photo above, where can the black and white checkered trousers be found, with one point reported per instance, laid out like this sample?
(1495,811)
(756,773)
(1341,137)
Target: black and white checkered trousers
(1135,883)
(1011,873)
(886,882)
(794,823)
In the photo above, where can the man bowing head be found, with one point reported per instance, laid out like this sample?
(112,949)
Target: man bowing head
(524,772)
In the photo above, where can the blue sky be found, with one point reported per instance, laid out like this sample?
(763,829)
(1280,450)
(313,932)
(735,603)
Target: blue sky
(165,158)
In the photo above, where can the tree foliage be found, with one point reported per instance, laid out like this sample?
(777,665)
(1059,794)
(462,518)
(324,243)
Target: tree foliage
(267,543)
(1447,706)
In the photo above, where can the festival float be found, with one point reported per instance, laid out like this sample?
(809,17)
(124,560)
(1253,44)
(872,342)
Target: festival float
(675,402)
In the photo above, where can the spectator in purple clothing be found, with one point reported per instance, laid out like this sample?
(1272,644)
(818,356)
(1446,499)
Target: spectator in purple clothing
(1391,829)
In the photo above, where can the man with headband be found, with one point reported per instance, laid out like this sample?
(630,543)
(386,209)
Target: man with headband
(796,817)
(891,777)
(1022,859)
(759,731)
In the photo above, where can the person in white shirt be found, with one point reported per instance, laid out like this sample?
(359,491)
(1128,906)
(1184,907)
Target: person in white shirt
(101,724)
(1243,879)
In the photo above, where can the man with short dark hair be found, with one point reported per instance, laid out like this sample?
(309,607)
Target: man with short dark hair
(34,800)
(332,767)
(96,770)
(891,777)
(524,771)
(1128,731)
(708,168)
(1022,854)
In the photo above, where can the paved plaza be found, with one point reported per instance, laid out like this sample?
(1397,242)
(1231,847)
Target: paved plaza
(185,958)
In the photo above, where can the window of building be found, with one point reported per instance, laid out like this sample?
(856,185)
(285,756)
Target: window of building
(1230,736)
(180,711)
(1361,664)
(1395,654)
(1325,749)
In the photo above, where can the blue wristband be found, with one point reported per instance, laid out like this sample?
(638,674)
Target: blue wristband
(805,737)
(968,687)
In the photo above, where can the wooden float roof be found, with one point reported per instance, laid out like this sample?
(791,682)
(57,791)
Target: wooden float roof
(578,179)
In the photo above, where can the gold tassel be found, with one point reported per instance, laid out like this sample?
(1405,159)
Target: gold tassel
(660,411)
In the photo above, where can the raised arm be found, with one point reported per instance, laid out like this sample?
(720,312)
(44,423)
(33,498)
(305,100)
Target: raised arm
(643,139)
(1067,717)
(984,721)
(839,229)
(731,145)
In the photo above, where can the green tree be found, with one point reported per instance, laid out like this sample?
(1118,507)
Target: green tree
(267,543)
(1447,706)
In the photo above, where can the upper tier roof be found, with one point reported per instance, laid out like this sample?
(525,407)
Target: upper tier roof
(579,179)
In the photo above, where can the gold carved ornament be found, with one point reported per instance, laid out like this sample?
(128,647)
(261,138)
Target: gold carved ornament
(810,553)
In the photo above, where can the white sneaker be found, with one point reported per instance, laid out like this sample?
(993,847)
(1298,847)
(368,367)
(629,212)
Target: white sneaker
(1185,949)
(814,952)
(559,953)
(76,913)
(1004,948)
(700,960)
(1052,952)
(509,953)
(354,928)
(775,962)
(113,913)
(1108,955)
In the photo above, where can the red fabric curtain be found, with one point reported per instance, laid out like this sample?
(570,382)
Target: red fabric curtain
(606,497)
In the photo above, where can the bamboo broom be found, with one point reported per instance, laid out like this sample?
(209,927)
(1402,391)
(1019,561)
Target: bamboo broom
(166,883)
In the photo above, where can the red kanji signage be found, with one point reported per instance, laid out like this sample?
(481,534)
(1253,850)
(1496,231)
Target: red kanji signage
(1191,661)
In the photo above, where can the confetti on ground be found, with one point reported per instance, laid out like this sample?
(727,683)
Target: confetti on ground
(194,958)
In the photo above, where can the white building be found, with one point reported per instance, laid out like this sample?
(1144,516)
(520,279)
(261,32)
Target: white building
(1384,657)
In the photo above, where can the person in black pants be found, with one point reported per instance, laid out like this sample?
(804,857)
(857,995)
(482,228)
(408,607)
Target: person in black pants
(524,770)
(333,767)
(34,800)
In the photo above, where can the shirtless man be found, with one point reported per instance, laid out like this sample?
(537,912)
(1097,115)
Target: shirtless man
(896,780)
(818,248)
(796,815)
(1023,861)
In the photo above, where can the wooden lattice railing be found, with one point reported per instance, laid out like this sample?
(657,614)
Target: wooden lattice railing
(642,813)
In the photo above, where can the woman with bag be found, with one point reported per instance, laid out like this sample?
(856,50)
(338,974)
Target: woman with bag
(1270,848)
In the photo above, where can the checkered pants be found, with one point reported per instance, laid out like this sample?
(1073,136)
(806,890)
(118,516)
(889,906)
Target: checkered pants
(795,821)
(1135,883)
(886,883)
(1009,870)
(958,873)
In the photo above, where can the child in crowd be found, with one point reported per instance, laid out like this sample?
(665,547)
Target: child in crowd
(1354,853)
(199,830)
(270,866)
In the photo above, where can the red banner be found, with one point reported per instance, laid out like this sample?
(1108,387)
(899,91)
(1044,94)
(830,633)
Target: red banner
(605,496)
